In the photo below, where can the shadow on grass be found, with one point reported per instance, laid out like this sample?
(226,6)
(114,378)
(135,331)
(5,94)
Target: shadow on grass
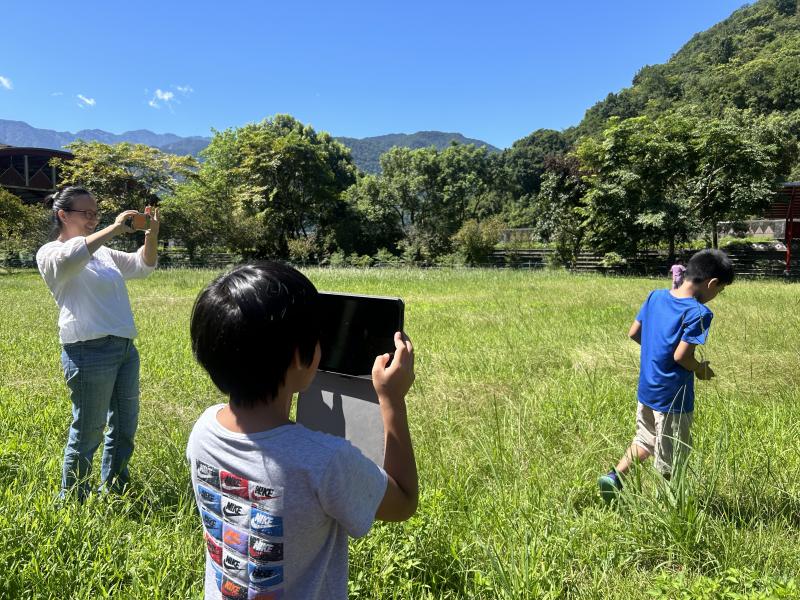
(588,498)
(753,511)
(143,502)
(745,512)
(9,469)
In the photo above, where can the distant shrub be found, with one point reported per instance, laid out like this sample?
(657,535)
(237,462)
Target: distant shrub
(385,257)
(555,262)
(454,259)
(612,260)
(362,262)
(475,241)
(302,249)
(337,259)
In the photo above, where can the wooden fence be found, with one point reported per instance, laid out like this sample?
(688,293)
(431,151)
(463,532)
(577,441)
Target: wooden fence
(747,262)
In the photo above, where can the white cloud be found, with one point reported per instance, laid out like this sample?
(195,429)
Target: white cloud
(167,98)
(57,94)
(84,101)
(162,97)
(6,83)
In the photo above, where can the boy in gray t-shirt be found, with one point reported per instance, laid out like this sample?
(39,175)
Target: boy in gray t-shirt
(278,501)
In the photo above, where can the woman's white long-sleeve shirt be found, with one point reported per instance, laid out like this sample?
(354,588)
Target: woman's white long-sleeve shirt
(90,289)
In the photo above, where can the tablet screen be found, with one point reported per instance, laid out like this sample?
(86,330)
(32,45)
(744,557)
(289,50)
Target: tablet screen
(355,329)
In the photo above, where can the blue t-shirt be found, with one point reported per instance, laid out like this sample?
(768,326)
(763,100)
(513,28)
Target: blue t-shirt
(664,385)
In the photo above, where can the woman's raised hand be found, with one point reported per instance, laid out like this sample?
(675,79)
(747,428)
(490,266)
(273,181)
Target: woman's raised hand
(121,219)
(155,222)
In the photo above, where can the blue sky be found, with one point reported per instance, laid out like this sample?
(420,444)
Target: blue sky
(493,70)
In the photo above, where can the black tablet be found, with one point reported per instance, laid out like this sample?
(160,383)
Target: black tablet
(355,329)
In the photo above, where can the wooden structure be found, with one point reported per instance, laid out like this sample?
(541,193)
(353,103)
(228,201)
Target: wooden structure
(751,261)
(27,172)
(787,208)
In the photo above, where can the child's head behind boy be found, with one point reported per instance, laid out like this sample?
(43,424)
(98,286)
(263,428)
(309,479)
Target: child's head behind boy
(707,274)
(255,330)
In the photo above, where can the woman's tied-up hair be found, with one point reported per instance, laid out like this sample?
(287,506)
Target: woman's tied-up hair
(62,200)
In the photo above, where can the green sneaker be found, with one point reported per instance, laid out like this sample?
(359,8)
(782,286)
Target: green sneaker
(610,486)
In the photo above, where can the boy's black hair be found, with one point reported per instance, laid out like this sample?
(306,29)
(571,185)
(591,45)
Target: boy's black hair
(246,326)
(710,264)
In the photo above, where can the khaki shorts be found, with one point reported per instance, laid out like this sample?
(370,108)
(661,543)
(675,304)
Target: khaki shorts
(663,435)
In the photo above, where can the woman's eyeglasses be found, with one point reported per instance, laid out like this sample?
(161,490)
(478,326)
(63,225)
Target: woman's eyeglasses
(90,215)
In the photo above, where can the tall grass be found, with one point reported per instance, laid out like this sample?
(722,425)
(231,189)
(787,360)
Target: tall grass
(525,392)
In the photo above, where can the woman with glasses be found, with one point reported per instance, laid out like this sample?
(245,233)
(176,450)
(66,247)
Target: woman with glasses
(96,329)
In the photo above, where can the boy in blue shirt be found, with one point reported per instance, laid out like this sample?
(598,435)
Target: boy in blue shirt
(670,324)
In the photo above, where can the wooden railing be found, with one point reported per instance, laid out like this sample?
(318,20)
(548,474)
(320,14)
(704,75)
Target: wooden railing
(747,262)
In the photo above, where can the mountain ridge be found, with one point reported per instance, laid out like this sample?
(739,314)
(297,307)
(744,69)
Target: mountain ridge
(365,151)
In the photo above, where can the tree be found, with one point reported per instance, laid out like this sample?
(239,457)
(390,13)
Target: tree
(124,176)
(660,180)
(279,180)
(427,195)
(194,219)
(749,60)
(379,220)
(22,227)
(740,160)
(786,7)
(525,160)
(557,216)
(634,175)
(475,241)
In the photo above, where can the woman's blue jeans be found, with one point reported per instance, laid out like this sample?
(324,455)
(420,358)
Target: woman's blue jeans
(103,380)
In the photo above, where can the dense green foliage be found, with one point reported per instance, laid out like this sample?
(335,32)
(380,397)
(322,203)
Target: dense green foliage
(557,215)
(267,184)
(280,189)
(124,176)
(751,60)
(521,399)
(423,197)
(664,179)
(22,227)
(526,159)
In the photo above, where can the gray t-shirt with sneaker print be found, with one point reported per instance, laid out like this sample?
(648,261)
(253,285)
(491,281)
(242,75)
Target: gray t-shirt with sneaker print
(277,509)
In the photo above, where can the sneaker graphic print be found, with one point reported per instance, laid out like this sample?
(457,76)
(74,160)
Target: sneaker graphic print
(243,526)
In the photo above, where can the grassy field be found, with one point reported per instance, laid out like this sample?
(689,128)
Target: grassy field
(525,393)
